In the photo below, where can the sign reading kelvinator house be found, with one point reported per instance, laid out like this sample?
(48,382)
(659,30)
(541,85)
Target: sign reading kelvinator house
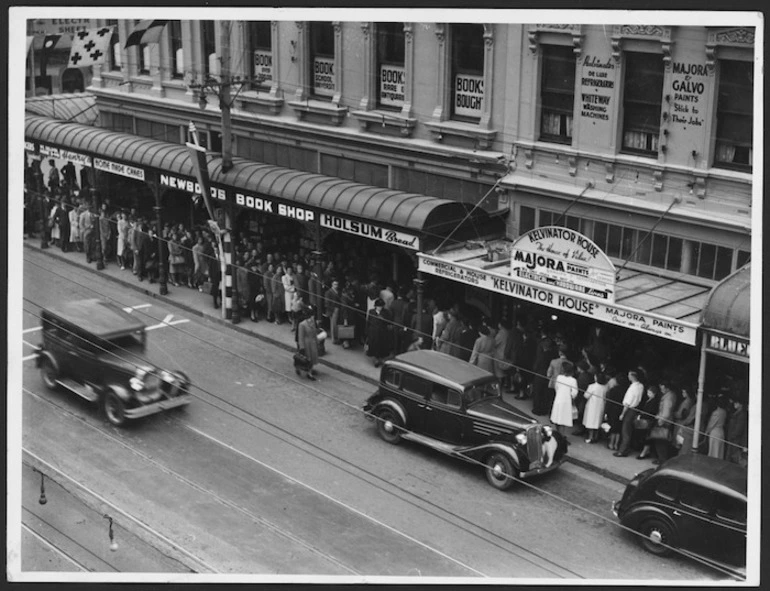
(561,258)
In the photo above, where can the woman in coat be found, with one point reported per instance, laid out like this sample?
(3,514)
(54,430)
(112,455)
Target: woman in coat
(613,407)
(122,232)
(566,389)
(175,259)
(75,229)
(647,410)
(289,289)
(502,354)
(593,413)
(378,331)
(307,341)
(715,428)
(267,286)
(64,226)
(665,419)
(278,296)
(684,416)
(483,354)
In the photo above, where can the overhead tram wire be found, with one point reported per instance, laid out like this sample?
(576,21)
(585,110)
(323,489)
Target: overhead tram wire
(344,403)
(478,463)
(395,325)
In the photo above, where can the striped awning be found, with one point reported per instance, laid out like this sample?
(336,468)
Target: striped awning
(77,107)
(729,305)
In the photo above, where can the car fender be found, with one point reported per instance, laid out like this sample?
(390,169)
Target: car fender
(43,354)
(637,514)
(119,390)
(389,403)
(480,452)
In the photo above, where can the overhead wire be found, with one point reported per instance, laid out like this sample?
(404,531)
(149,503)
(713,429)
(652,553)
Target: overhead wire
(376,418)
(394,325)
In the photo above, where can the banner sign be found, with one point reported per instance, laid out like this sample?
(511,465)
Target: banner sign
(275,207)
(653,324)
(727,346)
(469,95)
(61,154)
(263,66)
(392,85)
(131,172)
(370,231)
(558,257)
(323,76)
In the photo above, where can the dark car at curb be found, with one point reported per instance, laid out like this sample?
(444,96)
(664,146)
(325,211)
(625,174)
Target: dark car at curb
(456,408)
(691,504)
(95,349)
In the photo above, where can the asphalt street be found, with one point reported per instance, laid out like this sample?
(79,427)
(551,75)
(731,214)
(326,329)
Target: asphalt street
(266,473)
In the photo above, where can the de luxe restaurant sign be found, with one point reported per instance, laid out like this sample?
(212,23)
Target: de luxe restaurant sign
(563,259)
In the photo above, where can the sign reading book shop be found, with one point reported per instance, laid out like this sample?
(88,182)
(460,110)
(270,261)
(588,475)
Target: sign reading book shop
(323,76)
(561,258)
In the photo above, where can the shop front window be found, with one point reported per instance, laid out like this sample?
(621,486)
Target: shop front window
(177,53)
(734,115)
(642,103)
(260,54)
(391,73)
(209,48)
(467,71)
(742,257)
(557,94)
(322,80)
(115,62)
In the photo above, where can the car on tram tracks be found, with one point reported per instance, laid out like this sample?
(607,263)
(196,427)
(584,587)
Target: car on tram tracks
(456,408)
(95,349)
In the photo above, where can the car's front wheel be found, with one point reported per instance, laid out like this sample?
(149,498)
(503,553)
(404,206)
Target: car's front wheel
(49,374)
(657,537)
(500,471)
(114,409)
(389,425)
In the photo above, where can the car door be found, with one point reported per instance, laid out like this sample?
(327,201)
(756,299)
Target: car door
(698,531)
(414,394)
(728,543)
(443,414)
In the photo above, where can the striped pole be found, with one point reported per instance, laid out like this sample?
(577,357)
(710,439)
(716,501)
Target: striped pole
(228,278)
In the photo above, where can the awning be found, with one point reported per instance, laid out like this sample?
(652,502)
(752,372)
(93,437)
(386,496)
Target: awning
(430,218)
(76,107)
(644,302)
(726,318)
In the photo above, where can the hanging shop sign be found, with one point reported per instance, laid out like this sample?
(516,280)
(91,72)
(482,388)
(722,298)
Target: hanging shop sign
(323,76)
(119,168)
(639,320)
(190,186)
(728,346)
(392,85)
(561,258)
(370,231)
(263,67)
(469,95)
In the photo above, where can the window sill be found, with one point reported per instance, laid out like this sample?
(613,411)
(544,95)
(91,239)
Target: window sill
(385,119)
(334,112)
(262,99)
(484,137)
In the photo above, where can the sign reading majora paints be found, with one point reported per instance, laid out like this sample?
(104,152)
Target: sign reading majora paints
(640,320)
(263,67)
(392,85)
(468,95)
(370,231)
(323,76)
(564,259)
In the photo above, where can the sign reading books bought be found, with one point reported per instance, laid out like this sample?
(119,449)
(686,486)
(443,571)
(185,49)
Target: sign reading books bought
(469,95)
(564,259)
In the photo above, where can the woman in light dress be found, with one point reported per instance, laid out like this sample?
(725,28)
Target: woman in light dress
(566,389)
(593,414)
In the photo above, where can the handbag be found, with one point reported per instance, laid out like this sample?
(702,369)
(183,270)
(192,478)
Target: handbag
(641,422)
(661,433)
(574,412)
(346,332)
(301,361)
(177,259)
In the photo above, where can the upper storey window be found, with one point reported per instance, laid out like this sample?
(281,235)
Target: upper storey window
(557,93)
(642,102)
(734,115)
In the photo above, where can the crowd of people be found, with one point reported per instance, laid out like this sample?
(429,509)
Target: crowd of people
(579,381)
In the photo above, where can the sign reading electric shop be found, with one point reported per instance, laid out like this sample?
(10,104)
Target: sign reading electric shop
(612,314)
(564,259)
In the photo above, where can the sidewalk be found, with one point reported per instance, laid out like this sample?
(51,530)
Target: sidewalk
(594,457)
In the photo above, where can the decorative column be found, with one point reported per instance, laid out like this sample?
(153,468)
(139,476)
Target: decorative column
(419,283)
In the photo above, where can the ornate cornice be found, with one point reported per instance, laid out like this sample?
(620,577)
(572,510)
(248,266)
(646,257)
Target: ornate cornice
(576,31)
(337,28)
(408,32)
(740,37)
(440,32)
(654,33)
(489,35)
(366,29)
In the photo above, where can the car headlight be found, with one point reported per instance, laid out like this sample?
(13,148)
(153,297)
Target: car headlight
(143,380)
(136,383)
(521,439)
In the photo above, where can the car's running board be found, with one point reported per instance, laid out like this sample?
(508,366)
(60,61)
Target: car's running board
(83,390)
(441,446)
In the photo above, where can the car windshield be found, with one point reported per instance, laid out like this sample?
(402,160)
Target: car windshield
(483,391)
(131,342)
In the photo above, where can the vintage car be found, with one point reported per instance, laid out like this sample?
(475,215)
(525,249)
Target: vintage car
(691,504)
(457,408)
(95,349)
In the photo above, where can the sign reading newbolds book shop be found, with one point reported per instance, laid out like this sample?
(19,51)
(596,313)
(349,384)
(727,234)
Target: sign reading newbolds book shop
(566,260)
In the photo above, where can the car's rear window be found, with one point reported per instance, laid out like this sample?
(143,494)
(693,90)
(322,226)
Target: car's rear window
(731,509)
